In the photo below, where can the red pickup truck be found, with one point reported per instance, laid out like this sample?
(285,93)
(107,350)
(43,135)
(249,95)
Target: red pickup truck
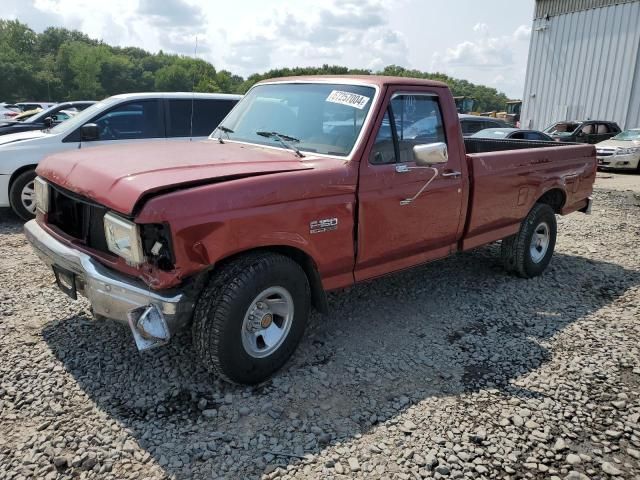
(310,184)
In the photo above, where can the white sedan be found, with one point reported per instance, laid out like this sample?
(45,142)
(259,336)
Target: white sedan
(621,152)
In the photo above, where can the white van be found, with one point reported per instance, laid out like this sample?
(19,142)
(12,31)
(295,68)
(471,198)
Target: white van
(134,117)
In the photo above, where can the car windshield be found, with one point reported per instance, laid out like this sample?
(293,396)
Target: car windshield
(628,136)
(312,117)
(562,129)
(83,117)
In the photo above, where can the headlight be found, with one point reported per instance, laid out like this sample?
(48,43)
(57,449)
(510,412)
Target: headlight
(627,151)
(42,194)
(123,238)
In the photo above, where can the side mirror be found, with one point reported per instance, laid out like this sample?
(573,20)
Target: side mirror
(48,122)
(431,154)
(89,132)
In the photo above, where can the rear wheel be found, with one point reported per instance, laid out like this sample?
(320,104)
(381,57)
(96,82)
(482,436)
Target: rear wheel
(251,317)
(529,252)
(22,195)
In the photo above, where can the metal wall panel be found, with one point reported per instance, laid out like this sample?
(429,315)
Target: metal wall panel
(585,65)
(551,8)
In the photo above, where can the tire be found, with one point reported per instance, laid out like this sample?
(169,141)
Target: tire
(529,252)
(22,196)
(227,340)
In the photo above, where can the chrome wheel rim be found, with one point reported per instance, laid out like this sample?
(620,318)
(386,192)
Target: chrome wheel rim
(267,322)
(28,197)
(540,242)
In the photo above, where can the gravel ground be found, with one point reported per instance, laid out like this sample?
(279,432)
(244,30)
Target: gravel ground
(453,370)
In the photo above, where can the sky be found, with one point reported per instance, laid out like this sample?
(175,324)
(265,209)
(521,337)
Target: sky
(484,41)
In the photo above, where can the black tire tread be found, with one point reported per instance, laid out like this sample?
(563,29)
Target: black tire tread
(515,249)
(212,308)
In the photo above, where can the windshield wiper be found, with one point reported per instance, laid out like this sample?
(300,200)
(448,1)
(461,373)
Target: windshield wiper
(224,129)
(286,140)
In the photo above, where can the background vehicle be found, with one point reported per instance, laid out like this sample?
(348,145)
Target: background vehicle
(471,124)
(590,131)
(8,111)
(465,104)
(26,114)
(621,152)
(237,237)
(513,133)
(134,117)
(24,106)
(58,113)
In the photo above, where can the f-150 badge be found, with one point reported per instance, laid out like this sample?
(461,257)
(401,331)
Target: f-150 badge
(324,225)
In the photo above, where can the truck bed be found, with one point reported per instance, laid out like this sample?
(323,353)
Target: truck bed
(507,177)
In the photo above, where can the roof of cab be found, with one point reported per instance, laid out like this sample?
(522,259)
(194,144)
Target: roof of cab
(374,80)
(177,95)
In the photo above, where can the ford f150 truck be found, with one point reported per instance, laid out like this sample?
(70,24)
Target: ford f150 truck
(310,184)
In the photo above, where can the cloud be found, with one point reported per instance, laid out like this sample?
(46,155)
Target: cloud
(485,52)
(38,15)
(337,32)
(171,13)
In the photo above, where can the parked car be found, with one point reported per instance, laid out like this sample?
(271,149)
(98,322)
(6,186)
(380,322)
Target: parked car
(8,111)
(621,152)
(513,134)
(133,117)
(471,124)
(24,106)
(25,115)
(238,236)
(57,114)
(589,131)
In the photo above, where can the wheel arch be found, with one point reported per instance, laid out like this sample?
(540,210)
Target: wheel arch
(20,171)
(555,197)
(302,258)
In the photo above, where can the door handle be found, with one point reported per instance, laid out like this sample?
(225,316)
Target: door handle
(451,174)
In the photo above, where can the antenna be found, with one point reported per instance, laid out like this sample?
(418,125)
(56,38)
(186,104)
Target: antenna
(193,87)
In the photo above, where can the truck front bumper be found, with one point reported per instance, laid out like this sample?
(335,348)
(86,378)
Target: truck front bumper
(110,293)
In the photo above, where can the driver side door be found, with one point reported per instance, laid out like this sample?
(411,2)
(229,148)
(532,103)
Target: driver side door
(392,236)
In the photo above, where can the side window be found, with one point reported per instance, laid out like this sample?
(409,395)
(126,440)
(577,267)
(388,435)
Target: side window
(207,114)
(383,150)
(131,121)
(418,121)
(469,127)
(520,136)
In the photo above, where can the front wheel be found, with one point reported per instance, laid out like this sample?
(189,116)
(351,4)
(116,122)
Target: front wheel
(251,317)
(22,195)
(529,252)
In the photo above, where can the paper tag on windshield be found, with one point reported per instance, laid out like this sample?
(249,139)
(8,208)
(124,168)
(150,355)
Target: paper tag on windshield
(348,98)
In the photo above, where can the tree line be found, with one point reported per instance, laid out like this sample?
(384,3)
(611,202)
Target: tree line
(60,64)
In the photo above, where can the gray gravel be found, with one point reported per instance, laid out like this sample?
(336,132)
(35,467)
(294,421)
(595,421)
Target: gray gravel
(453,370)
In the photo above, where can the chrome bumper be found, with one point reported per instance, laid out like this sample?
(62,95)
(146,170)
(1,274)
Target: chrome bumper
(110,293)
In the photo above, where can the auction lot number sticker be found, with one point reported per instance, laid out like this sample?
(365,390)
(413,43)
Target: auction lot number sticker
(348,98)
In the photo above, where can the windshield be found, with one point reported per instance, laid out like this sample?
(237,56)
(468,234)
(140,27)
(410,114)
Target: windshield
(562,129)
(83,117)
(628,136)
(320,118)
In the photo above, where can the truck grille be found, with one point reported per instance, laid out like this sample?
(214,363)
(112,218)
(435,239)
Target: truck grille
(78,218)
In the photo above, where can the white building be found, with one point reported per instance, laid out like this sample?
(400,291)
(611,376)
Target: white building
(584,63)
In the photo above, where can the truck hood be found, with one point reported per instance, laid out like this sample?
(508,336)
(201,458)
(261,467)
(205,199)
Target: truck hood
(119,176)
